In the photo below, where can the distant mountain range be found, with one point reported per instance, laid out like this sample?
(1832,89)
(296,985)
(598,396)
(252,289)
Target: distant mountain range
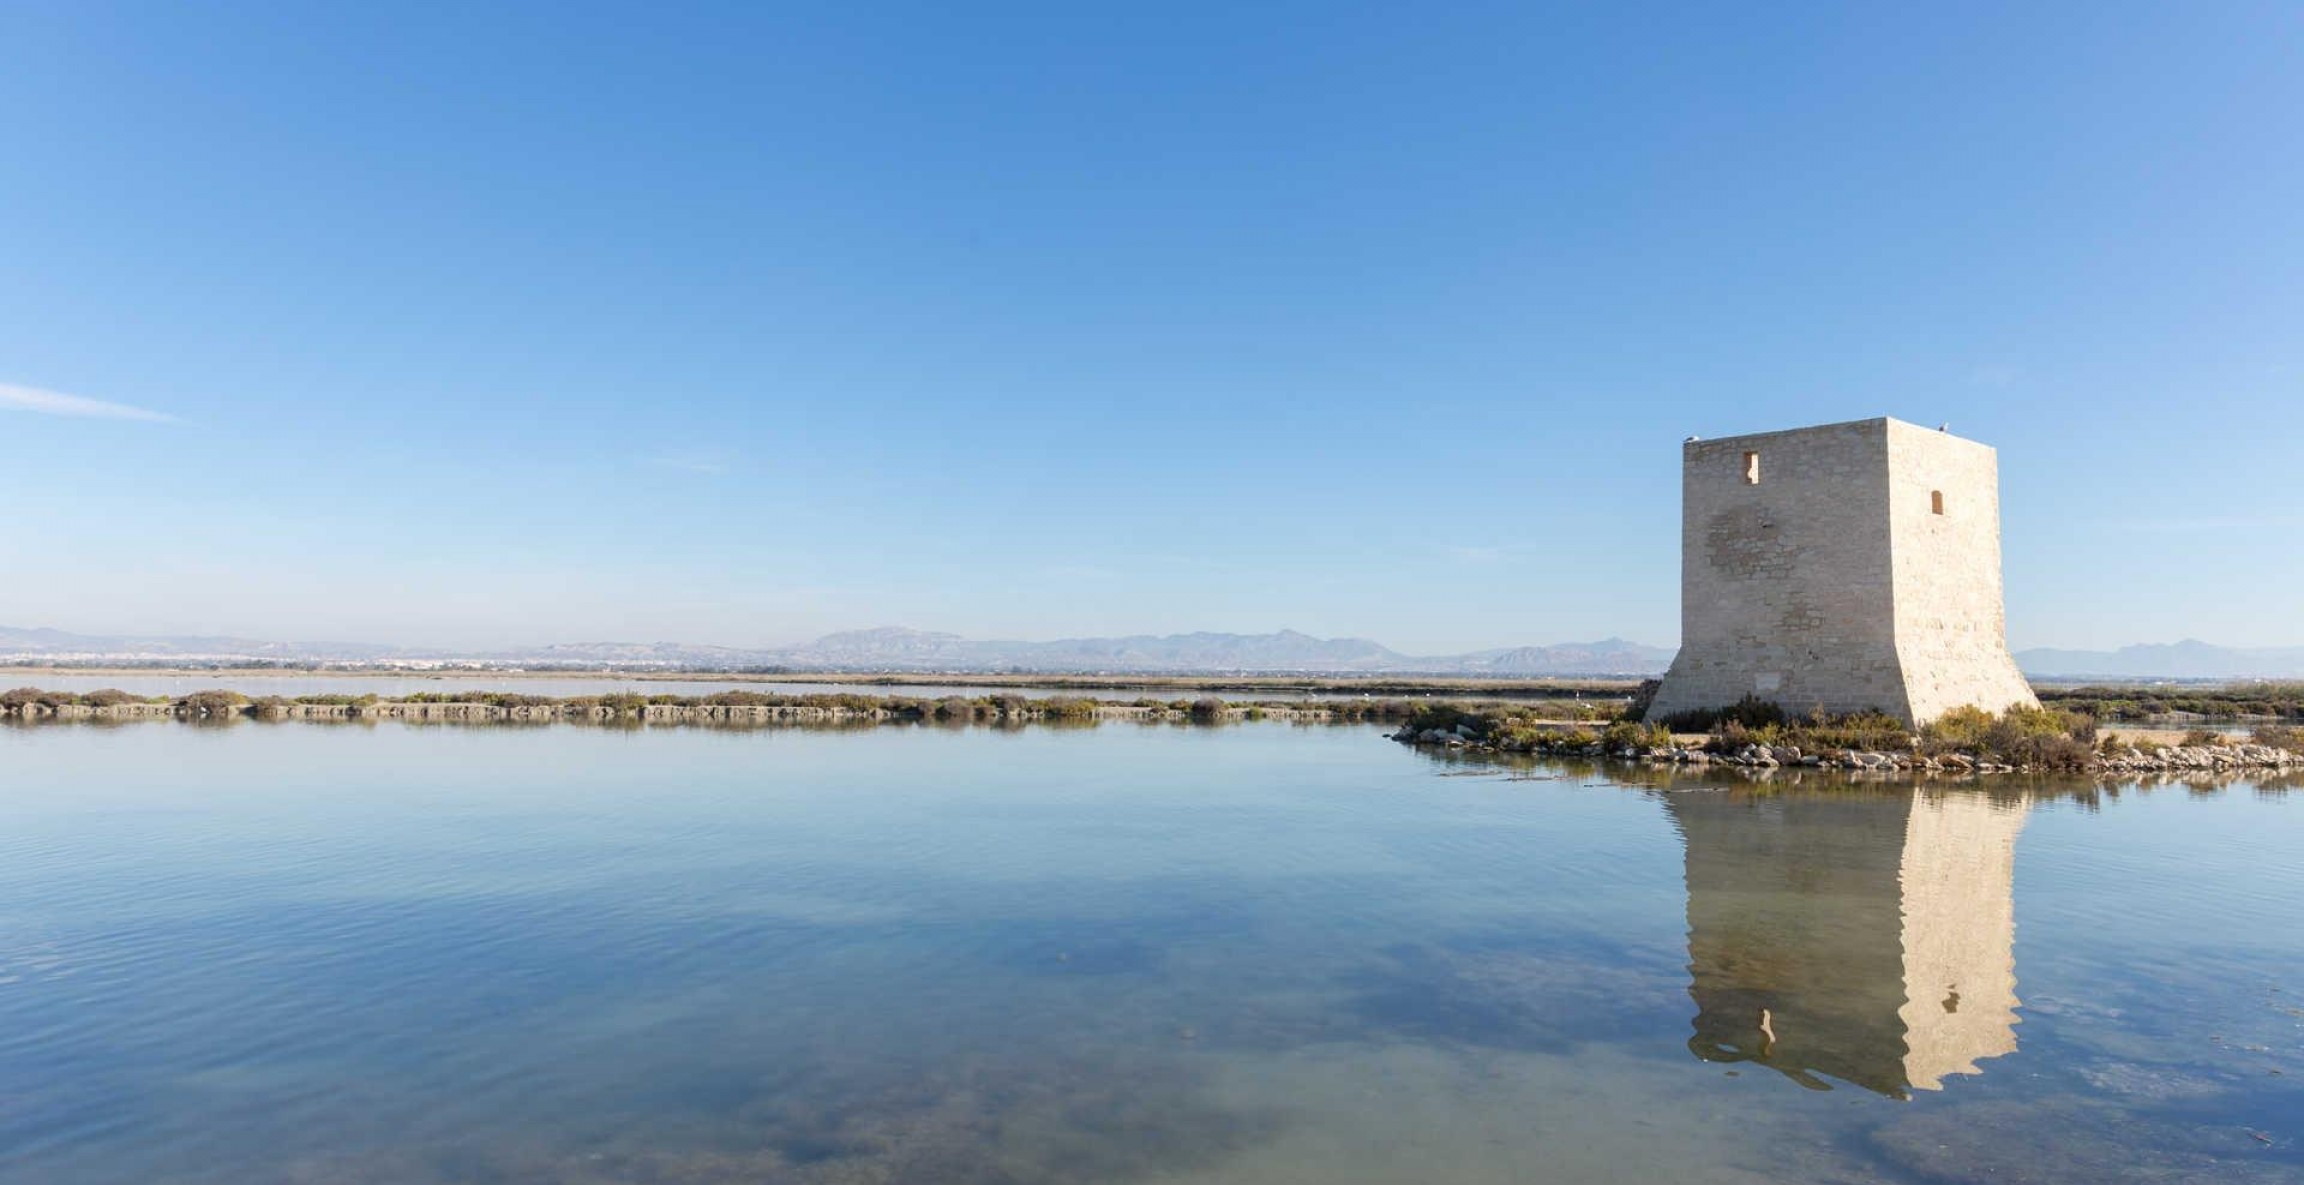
(1283,651)
(46,644)
(887,649)
(906,650)
(2188,659)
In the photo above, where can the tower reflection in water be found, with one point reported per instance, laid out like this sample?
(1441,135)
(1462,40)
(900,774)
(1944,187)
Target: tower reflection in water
(1863,935)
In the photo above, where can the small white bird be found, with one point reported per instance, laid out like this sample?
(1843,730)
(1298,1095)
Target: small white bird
(1943,427)
(1692,440)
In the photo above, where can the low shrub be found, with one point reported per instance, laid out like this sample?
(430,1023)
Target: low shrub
(1728,736)
(1067,707)
(217,702)
(1573,739)
(2281,701)
(1625,734)
(494,699)
(742,699)
(1964,727)
(1369,709)
(1751,713)
(957,708)
(1446,716)
(2279,736)
(2040,737)
(1865,732)
(2065,752)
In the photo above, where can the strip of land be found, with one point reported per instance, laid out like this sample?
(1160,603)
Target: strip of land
(1965,741)
(2166,706)
(1272,685)
(1753,734)
(27,704)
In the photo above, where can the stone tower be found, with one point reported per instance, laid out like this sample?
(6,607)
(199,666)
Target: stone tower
(1843,567)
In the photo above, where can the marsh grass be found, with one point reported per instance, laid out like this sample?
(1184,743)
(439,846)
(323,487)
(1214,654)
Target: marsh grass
(2283,701)
(2040,738)
(2277,736)
(1003,709)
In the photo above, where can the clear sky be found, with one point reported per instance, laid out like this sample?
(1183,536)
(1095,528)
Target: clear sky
(493,324)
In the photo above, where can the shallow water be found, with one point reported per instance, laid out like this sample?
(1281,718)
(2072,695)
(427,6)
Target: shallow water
(1257,954)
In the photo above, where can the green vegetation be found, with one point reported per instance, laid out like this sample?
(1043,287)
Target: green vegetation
(1068,707)
(1750,713)
(2279,701)
(2036,738)
(2276,736)
(2023,737)
(218,702)
(2033,738)
(1523,728)
(2050,738)
(1861,732)
(1003,708)
(2110,745)
(2056,737)
(494,699)
(107,697)
(1364,709)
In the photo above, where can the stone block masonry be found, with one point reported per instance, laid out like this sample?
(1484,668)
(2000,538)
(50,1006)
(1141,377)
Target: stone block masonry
(1843,567)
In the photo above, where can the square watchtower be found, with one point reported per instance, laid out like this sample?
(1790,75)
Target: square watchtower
(1843,567)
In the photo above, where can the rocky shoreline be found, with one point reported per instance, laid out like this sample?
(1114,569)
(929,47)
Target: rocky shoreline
(1619,743)
(2236,756)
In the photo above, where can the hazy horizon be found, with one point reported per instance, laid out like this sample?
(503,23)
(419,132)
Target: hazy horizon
(741,325)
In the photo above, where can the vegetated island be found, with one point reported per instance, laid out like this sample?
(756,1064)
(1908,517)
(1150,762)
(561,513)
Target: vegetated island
(2062,737)
(727,708)
(2059,737)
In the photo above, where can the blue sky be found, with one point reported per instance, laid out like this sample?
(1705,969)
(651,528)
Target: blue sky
(743,323)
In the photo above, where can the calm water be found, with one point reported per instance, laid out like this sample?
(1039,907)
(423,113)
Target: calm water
(298,953)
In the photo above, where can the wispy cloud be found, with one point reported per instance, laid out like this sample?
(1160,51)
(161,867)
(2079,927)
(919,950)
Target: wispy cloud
(56,403)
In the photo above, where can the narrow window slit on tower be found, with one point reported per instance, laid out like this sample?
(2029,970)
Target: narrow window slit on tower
(1936,501)
(1751,469)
